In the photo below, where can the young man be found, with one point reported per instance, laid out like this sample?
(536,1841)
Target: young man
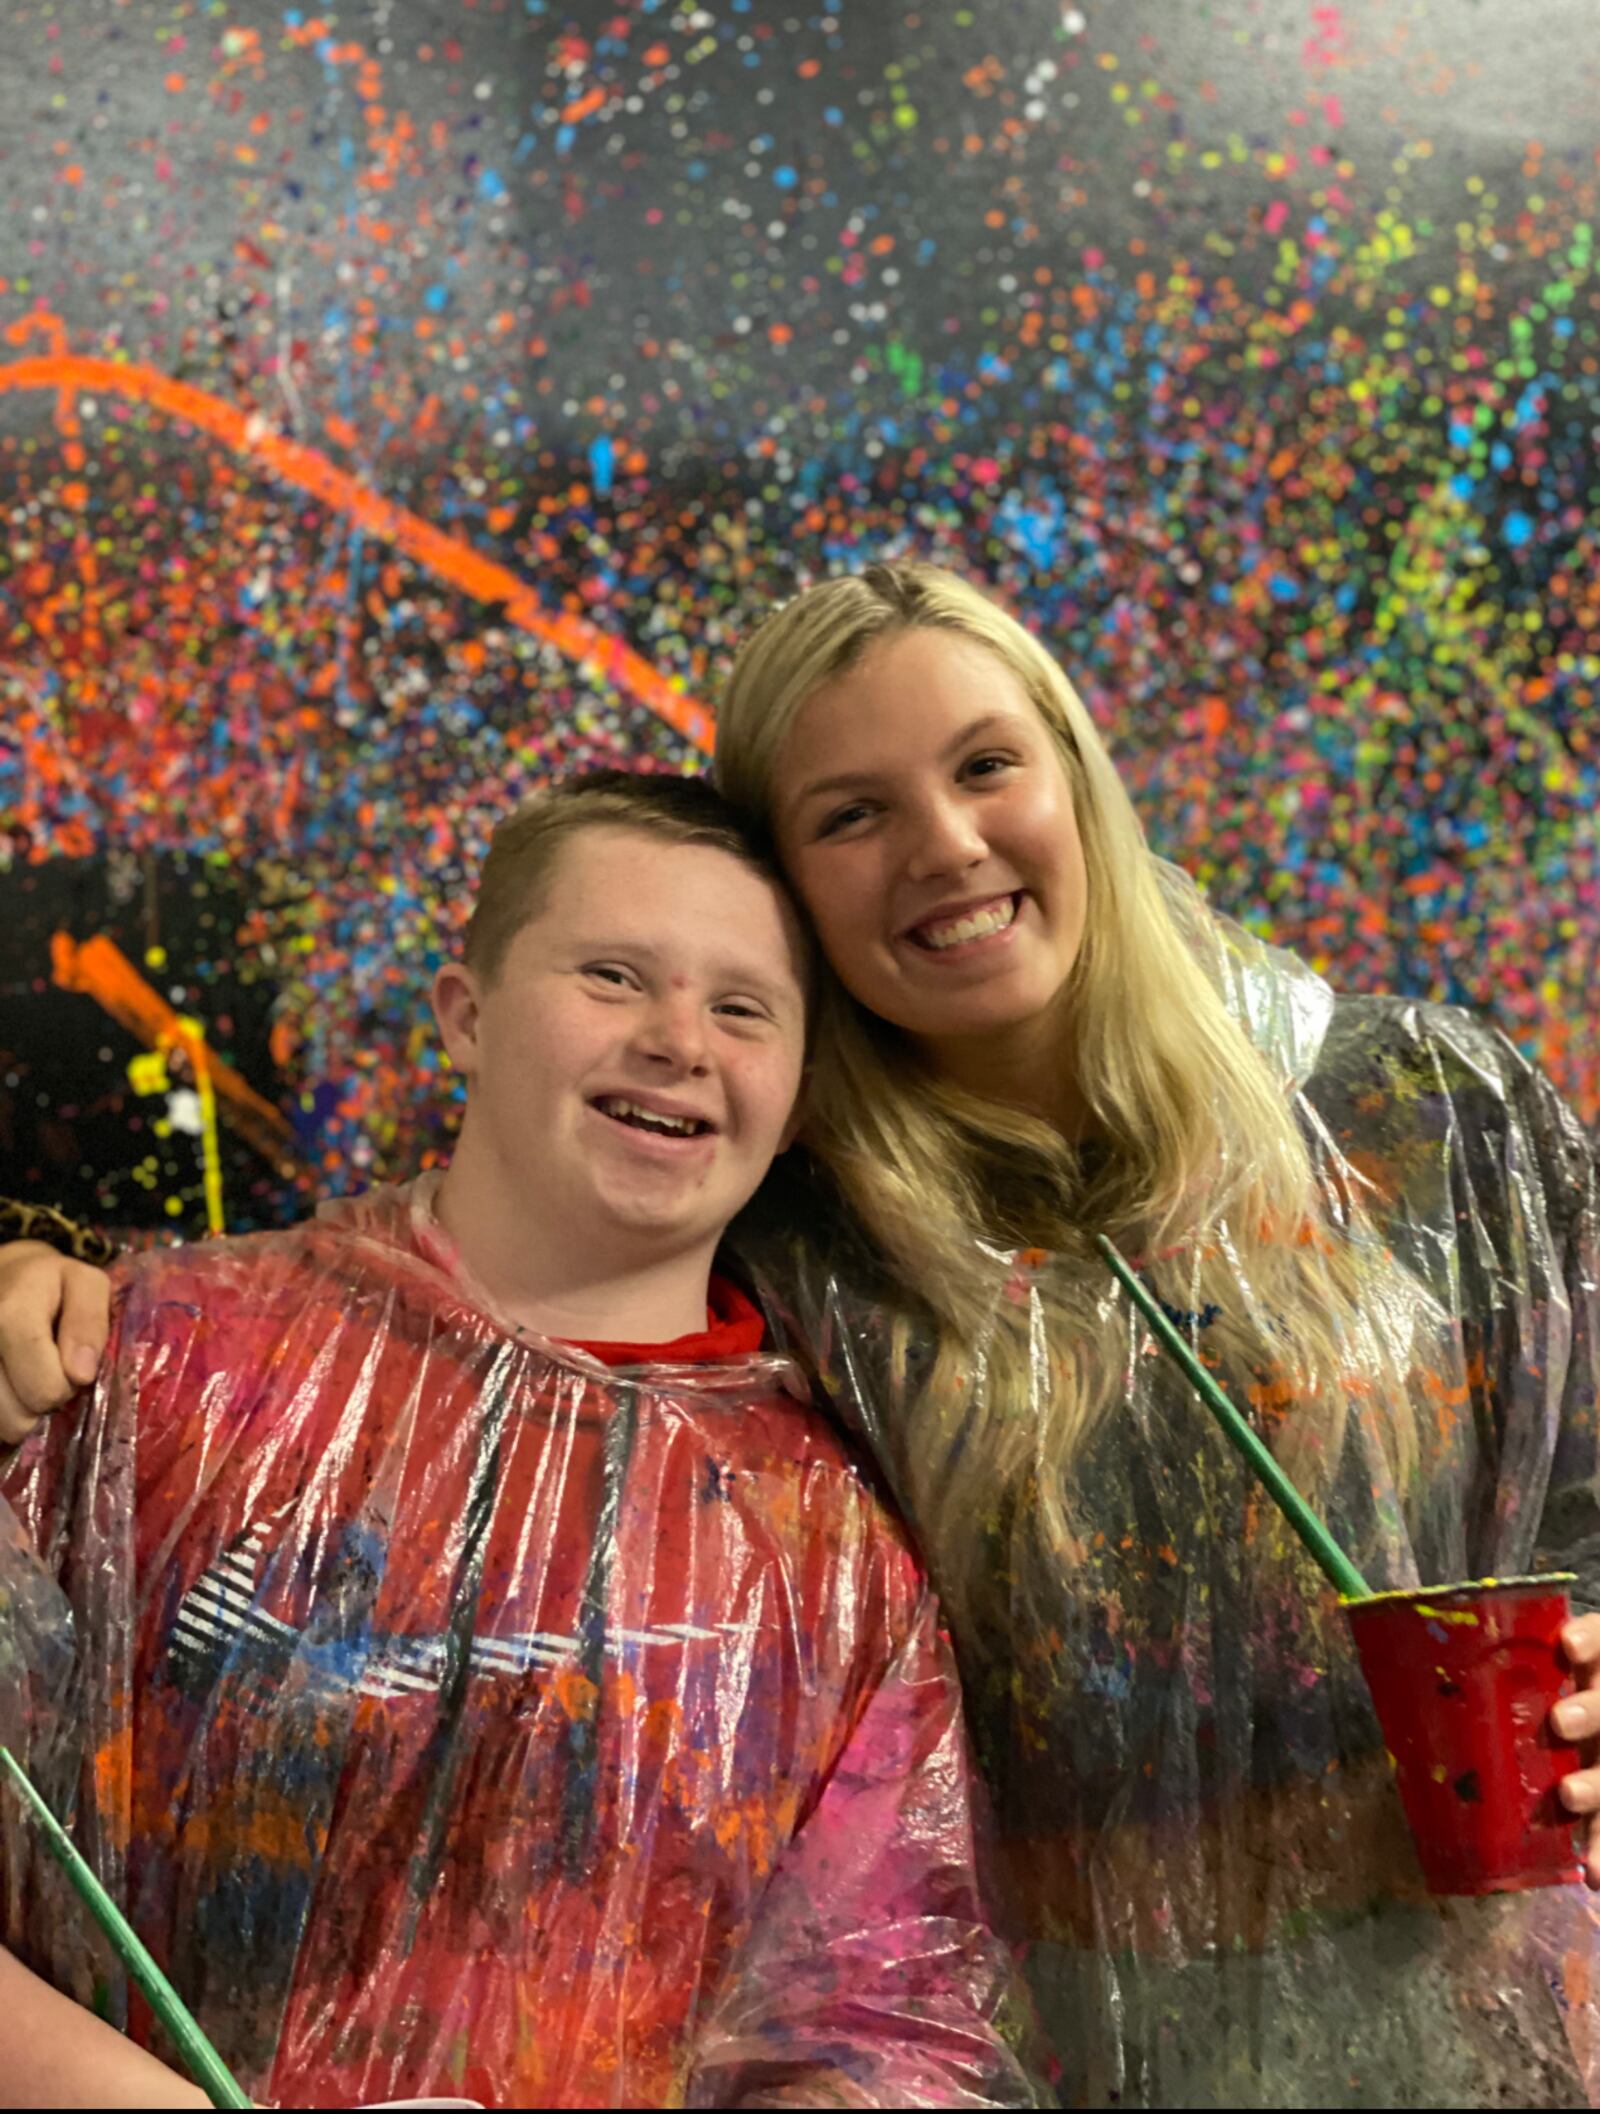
(474,1663)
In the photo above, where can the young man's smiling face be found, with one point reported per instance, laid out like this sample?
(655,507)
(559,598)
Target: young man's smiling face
(635,1065)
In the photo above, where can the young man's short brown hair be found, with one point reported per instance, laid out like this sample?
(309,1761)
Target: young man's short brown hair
(524,849)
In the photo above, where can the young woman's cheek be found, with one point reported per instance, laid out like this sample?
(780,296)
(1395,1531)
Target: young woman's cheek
(821,885)
(856,912)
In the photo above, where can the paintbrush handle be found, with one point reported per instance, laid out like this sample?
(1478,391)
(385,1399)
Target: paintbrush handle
(201,2059)
(1327,1553)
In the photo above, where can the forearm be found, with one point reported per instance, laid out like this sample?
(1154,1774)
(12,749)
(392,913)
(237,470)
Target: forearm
(53,2053)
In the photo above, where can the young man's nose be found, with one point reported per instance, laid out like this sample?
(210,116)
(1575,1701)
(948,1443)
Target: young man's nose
(673,1032)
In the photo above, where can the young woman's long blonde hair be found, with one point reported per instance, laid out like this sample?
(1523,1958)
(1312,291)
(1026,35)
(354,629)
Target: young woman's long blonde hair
(1201,1168)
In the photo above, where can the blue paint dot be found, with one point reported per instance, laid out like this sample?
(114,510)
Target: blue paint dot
(832,116)
(436,298)
(1518,528)
(785,178)
(490,185)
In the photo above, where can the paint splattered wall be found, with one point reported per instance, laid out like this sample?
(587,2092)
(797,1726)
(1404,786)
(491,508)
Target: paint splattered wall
(403,401)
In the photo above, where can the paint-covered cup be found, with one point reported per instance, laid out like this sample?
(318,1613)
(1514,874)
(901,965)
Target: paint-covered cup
(1462,1678)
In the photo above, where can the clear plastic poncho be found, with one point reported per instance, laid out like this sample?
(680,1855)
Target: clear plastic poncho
(1208,1868)
(454,1713)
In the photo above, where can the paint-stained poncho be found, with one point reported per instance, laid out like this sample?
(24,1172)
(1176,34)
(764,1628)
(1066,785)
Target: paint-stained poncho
(454,1713)
(1208,1863)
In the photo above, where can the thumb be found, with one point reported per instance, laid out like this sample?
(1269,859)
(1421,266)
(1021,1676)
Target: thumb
(85,1322)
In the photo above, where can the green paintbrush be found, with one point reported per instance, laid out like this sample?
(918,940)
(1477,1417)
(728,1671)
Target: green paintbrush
(1327,1552)
(183,2029)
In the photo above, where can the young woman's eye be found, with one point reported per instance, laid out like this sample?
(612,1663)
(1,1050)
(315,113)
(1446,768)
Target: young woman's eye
(741,1009)
(842,818)
(987,766)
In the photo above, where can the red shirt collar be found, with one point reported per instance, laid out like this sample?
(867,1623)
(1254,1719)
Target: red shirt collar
(734,1328)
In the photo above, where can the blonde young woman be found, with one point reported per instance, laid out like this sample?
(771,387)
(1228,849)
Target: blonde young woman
(1371,1217)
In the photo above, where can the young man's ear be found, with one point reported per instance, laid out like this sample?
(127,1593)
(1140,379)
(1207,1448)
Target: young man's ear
(457,1001)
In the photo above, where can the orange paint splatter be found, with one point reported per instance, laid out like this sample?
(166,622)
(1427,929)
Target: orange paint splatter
(447,557)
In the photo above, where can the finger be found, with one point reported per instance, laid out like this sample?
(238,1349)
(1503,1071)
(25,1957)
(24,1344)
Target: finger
(85,1324)
(30,1360)
(1577,1717)
(1591,1854)
(1580,1793)
(15,1421)
(1580,1640)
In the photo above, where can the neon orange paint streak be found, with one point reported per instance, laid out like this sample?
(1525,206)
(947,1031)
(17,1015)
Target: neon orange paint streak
(100,968)
(250,436)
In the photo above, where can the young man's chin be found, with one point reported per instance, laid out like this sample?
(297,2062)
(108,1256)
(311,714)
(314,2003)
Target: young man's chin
(673,1218)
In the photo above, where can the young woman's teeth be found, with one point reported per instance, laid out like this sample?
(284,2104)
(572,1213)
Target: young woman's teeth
(650,1118)
(976,925)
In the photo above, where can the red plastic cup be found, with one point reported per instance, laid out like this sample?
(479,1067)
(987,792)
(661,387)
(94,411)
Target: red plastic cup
(1462,1678)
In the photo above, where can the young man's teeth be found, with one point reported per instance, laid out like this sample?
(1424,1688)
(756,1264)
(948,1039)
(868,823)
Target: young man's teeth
(976,927)
(651,1119)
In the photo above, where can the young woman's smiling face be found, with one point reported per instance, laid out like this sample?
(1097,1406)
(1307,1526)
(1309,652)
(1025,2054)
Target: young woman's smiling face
(926,819)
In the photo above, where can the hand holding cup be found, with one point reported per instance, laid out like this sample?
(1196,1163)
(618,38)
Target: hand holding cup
(1577,1718)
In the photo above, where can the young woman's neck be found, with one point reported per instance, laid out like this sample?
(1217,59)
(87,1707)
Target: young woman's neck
(550,1277)
(1029,1066)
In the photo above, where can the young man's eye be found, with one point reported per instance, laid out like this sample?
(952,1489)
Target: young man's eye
(742,1009)
(609,973)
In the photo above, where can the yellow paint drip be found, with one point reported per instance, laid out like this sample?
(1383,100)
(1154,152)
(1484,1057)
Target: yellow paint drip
(189,1036)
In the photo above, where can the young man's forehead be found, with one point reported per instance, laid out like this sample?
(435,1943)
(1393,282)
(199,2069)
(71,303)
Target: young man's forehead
(615,840)
(653,925)
(621,849)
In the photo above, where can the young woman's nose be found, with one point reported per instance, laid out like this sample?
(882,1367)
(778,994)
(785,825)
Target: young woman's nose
(942,837)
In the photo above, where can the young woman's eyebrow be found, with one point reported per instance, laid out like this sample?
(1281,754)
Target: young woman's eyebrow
(970,732)
(845,782)
(856,781)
